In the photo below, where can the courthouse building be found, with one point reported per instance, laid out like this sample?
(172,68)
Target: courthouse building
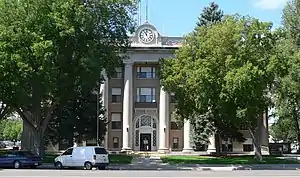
(139,110)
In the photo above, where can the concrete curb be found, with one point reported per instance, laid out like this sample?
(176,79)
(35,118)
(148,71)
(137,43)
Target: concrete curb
(162,167)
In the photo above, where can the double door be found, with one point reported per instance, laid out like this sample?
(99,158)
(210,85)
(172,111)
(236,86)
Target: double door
(145,142)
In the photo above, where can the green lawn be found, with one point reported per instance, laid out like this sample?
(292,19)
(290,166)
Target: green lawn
(113,158)
(224,160)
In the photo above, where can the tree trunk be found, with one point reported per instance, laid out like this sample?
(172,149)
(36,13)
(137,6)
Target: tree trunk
(218,143)
(33,140)
(33,130)
(256,143)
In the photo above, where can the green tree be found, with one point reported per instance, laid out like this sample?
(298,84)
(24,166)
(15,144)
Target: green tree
(210,15)
(287,95)
(11,129)
(203,127)
(50,47)
(77,120)
(223,73)
(283,129)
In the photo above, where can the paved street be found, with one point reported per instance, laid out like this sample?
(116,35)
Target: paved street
(144,174)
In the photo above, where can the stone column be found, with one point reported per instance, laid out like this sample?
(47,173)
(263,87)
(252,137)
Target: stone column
(104,102)
(163,117)
(127,112)
(187,146)
(212,144)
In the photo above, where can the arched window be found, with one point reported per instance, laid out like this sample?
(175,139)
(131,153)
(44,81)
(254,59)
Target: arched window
(145,121)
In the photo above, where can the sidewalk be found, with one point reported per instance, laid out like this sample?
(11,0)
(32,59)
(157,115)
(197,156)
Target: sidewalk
(154,163)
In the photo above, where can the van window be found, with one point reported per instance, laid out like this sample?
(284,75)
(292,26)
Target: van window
(100,151)
(68,151)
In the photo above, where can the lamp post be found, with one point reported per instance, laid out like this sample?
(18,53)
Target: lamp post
(97,117)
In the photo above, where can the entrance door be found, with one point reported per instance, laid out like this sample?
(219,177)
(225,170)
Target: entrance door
(145,142)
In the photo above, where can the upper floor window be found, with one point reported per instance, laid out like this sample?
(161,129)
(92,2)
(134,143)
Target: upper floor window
(116,122)
(118,74)
(116,95)
(172,98)
(146,95)
(145,72)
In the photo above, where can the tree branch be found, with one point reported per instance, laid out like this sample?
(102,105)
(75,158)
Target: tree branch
(25,115)
(4,111)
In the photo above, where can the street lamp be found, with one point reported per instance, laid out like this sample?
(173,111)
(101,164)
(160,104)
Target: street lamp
(98,117)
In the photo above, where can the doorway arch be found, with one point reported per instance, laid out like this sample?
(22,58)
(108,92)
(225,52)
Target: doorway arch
(145,128)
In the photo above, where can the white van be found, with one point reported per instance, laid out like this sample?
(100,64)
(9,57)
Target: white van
(85,156)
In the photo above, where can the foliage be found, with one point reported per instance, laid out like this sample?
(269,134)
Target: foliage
(283,129)
(48,48)
(210,15)
(77,119)
(10,129)
(4,110)
(287,93)
(224,70)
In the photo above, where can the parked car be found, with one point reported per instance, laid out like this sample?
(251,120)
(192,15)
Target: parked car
(2,145)
(19,159)
(85,156)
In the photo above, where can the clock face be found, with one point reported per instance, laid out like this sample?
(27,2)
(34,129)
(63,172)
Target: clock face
(146,35)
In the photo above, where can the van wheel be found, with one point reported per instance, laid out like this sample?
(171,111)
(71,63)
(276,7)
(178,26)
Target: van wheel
(88,166)
(101,167)
(17,164)
(58,165)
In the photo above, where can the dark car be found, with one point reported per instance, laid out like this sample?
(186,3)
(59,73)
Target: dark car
(19,159)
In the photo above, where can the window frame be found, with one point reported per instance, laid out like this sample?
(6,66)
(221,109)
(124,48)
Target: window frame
(152,95)
(117,144)
(117,123)
(116,98)
(118,74)
(152,73)
(175,145)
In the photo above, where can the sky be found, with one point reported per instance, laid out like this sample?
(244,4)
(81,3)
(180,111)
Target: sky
(179,17)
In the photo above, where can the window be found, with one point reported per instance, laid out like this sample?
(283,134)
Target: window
(116,142)
(145,121)
(175,142)
(100,151)
(116,95)
(118,74)
(146,95)
(172,98)
(68,151)
(116,122)
(248,147)
(174,126)
(227,148)
(145,72)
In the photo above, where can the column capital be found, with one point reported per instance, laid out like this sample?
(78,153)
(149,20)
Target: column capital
(128,62)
